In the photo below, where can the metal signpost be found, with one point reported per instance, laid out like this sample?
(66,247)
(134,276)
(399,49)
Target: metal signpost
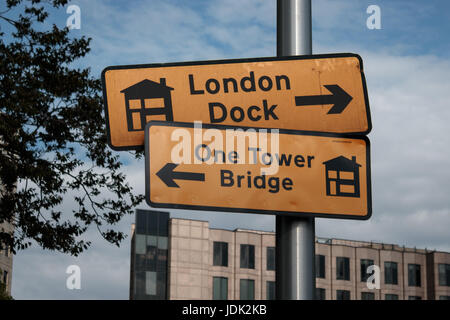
(295,237)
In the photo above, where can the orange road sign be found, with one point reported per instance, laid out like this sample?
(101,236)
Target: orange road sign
(254,170)
(317,93)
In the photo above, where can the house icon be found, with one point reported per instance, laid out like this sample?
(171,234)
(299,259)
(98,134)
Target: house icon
(145,99)
(342,177)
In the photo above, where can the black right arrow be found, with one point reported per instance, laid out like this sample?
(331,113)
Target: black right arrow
(167,175)
(339,99)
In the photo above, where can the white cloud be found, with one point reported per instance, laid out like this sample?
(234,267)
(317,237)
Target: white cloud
(165,31)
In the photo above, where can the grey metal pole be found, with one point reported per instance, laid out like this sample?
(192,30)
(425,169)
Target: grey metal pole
(295,237)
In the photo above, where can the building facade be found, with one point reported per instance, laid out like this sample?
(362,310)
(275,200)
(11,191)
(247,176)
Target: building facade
(194,261)
(6,259)
(149,250)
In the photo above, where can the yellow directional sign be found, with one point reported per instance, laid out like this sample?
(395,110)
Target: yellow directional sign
(223,168)
(318,93)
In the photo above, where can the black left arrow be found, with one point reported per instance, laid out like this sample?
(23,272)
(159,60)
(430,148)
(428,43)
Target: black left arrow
(168,175)
(338,98)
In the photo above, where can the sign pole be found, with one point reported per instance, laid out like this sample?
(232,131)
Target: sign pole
(295,237)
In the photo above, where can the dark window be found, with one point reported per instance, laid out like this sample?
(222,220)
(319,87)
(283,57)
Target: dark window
(367,296)
(270,288)
(139,262)
(152,223)
(414,275)
(320,294)
(161,262)
(220,255)
(151,256)
(365,263)
(342,295)
(414,298)
(342,268)
(320,266)
(163,224)
(247,256)
(270,258)
(139,284)
(247,289)
(161,281)
(390,297)
(141,222)
(220,288)
(5,277)
(444,274)
(444,297)
(390,272)
(151,253)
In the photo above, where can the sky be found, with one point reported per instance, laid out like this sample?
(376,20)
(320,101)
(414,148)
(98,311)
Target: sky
(406,64)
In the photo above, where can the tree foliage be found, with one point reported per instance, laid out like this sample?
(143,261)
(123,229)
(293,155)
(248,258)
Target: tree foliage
(3,294)
(53,137)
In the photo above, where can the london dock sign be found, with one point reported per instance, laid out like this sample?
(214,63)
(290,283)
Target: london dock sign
(222,168)
(318,93)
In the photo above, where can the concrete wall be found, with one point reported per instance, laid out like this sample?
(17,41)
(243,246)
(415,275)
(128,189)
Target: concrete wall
(190,258)
(438,290)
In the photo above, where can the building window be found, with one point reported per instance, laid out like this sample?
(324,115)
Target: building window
(220,288)
(150,253)
(270,258)
(414,298)
(365,263)
(444,297)
(444,274)
(270,288)
(320,294)
(320,266)
(5,277)
(342,268)
(161,258)
(139,243)
(220,254)
(390,272)
(247,256)
(247,289)
(391,297)
(342,295)
(150,283)
(367,296)
(414,275)
(161,285)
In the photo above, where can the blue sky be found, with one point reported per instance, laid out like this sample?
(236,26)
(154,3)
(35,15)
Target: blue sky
(408,27)
(406,64)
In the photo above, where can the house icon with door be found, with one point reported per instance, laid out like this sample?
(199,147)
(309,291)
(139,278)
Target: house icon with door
(342,177)
(146,99)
